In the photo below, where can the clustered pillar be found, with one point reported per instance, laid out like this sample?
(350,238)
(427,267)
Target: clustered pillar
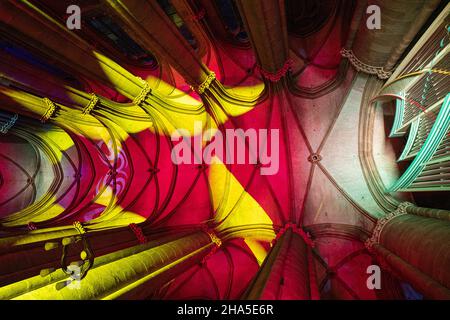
(130,273)
(266,26)
(288,271)
(414,244)
(149,26)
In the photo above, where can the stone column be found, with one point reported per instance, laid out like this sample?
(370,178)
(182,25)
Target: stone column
(25,103)
(414,244)
(24,22)
(193,20)
(149,26)
(44,109)
(214,19)
(131,273)
(288,271)
(265,22)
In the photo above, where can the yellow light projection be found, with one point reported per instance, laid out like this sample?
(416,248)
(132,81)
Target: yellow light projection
(101,133)
(114,215)
(58,140)
(257,248)
(175,109)
(50,212)
(164,111)
(236,207)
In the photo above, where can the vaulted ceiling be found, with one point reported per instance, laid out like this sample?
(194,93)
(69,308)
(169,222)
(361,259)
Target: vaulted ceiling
(275,65)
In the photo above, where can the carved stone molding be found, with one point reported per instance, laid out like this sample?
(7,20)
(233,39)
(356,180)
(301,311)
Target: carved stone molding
(205,85)
(51,108)
(375,238)
(361,66)
(297,230)
(146,90)
(276,76)
(9,124)
(91,105)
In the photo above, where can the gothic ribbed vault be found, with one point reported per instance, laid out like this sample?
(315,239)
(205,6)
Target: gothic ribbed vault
(93,205)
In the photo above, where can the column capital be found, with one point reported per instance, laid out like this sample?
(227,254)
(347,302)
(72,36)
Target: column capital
(205,84)
(91,104)
(51,108)
(297,230)
(375,238)
(145,91)
(276,76)
(361,66)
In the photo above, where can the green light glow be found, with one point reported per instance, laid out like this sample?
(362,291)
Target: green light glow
(437,134)
(399,111)
(411,138)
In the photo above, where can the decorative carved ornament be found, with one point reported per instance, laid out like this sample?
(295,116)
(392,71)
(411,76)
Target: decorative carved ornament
(79,227)
(361,66)
(205,85)
(138,233)
(305,236)
(51,108)
(314,158)
(275,77)
(146,90)
(375,238)
(8,125)
(91,105)
(215,239)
